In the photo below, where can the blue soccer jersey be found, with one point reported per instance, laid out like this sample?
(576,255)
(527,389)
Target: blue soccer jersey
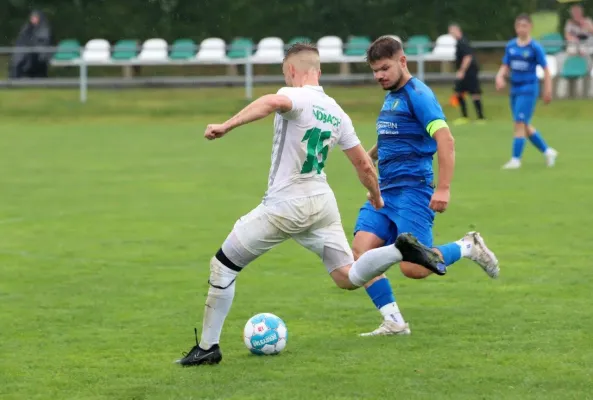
(522,62)
(405,145)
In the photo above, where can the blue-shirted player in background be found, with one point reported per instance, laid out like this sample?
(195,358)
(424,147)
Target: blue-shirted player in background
(522,56)
(411,128)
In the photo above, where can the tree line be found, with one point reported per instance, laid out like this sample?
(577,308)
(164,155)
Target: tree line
(198,19)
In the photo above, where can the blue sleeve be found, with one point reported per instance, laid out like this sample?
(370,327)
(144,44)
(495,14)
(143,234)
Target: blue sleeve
(540,56)
(505,58)
(426,106)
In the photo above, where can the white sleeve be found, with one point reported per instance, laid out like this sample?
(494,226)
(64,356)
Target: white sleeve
(348,139)
(298,103)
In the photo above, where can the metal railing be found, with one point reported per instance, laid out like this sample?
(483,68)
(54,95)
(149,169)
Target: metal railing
(423,53)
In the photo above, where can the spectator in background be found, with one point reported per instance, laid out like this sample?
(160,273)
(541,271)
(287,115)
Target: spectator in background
(467,79)
(35,33)
(578,32)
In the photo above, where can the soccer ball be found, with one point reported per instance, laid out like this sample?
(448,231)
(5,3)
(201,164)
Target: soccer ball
(265,334)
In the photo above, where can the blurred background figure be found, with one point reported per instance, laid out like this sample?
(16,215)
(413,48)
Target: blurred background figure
(466,77)
(34,33)
(578,32)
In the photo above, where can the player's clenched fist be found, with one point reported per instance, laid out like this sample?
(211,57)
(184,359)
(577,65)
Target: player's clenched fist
(440,200)
(215,131)
(376,200)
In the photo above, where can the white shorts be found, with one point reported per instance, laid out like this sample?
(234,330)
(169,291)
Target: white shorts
(313,222)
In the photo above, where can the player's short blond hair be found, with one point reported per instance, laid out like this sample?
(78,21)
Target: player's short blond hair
(300,47)
(303,56)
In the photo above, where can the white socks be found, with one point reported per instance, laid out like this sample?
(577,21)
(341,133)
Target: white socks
(390,312)
(218,303)
(466,247)
(373,263)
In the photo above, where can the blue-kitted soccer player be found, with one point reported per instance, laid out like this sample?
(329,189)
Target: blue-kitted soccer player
(411,128)
(522,56)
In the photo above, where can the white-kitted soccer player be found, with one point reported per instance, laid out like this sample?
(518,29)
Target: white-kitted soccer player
(299,203)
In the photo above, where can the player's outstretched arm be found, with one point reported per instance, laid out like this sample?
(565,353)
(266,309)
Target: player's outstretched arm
(446,157)
(258,109)
(366,173)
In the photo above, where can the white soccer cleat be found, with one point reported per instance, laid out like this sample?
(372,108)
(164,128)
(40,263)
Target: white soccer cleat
(482,255)
(513,164)
(389,328)
(551,155)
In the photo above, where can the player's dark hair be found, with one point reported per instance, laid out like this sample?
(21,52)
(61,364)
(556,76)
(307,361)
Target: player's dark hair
(383,47)
(523,17)
(300,47)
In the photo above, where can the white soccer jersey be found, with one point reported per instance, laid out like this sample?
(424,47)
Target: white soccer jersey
(303,138)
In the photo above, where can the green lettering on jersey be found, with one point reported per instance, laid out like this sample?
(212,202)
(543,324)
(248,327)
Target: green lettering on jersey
(316,151)
(326,117)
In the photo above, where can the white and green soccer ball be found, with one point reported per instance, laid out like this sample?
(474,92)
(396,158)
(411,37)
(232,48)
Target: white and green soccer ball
(265,334)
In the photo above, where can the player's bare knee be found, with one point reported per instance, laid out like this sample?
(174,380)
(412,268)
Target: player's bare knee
(341,279)
(520,129)
(356,252)
(358,248)
(363,242)
(223,271)
(414,271)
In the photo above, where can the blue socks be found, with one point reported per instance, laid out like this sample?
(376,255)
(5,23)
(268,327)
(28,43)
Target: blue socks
(518,146)
(381,293)
(451,253)
(538,142)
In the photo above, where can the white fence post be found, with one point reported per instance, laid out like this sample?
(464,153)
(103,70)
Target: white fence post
(420,53)
(83,81)
(248,74)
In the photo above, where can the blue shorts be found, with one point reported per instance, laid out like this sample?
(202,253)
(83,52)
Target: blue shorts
(523,106)
(406,210)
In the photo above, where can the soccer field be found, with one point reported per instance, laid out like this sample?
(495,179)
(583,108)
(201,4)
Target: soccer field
(110,213)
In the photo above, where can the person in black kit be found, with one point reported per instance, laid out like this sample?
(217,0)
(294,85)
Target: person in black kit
(467,75)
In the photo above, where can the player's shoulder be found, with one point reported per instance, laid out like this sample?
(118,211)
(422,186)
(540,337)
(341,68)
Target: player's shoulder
(287,91)
(511,43)
(418,89)
(537,45)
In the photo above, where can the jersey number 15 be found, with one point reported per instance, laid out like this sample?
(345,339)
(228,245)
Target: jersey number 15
(316,151)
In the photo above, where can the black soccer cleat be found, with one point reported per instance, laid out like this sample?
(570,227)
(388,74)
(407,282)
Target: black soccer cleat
(199,356)
(416,253)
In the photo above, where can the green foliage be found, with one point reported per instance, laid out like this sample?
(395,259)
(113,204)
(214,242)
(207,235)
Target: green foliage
(173,19)
(546,4)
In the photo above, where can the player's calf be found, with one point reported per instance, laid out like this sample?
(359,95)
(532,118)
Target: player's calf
(221,293)
(414,271)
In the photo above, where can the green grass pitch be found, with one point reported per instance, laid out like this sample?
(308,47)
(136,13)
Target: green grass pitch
(110,212)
